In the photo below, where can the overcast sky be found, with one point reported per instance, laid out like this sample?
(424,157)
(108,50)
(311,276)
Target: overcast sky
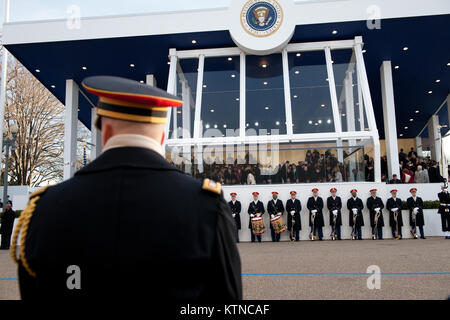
(26,10)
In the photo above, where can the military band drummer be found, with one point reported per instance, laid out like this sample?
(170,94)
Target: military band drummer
(375,206)
(255,209)
(316,222)
(235,207)
(394,205)
(275,208)
(293,209)
(356,219)
(334,205)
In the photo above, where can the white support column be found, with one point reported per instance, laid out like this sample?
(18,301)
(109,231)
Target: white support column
(419,149)
(448,108)
(70,128)
(242,95)
(362,122)
(3,80)
(150,80)
(96,136)
(435,137)
(287,93)
(198,102)
(186,125)
(334,102)
(389,118)
(171,87)
(368,107)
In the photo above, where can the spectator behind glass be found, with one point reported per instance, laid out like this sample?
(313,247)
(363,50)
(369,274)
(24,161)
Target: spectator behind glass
(395,180)
(421,175)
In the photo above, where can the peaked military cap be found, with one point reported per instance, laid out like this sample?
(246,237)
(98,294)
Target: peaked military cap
(126,99)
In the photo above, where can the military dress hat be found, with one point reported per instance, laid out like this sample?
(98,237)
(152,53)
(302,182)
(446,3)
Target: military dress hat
(394,190)
(333,190)
(233,194)
(353,190)
(373,190)
(130,100)
(315,190)
(412,189)
(255,193)
(293,192)
(274,192)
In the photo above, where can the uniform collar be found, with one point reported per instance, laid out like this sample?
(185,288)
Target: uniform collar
(133,140)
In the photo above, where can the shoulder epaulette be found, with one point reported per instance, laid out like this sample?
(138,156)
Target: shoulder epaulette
(39,192)
(212,186)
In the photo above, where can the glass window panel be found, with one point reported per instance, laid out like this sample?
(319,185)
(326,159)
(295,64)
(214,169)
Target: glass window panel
(186,90)
(220,94)
(265,106)
(346,80)
(310,93)
(443,119)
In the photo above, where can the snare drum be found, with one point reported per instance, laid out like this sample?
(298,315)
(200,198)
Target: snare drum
(278,224)
(258,225)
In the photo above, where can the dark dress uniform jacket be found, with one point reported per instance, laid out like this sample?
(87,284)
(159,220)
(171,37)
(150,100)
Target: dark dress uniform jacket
(317,205)
(335,204)
(355,203)
(397,203)
(150,247)
(274,208)
(371,205)
(7,220)
(297,207)
(418,203)
(236,209)
(444,198)
(254,209)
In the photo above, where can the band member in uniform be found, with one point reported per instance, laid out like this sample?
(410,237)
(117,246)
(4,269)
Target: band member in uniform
(235,207)
(293,208)
(255,209)
(67,251)
(334,205)
(416,218)
(394,205)
(375,206)
(444,210)
(315,206)
(355,207)
(275,208)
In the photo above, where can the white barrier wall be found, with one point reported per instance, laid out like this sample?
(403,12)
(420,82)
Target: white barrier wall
(427,192)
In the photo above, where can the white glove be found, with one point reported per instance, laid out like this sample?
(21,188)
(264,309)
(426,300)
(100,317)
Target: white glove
(292,212)
(377,210)
(355,210)
(234,215)
(252,215)
(272,216)
(313,211)
(394,209)
(258,214)
(279,214)
(335,212)
(416,210)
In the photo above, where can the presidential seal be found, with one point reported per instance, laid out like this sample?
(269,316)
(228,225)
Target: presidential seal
(261,18)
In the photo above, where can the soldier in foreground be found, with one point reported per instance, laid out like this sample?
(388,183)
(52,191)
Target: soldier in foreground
(334,205)
(416,218)
(394,205)
(356,219)
(375,206)
(235,207)
(148,248)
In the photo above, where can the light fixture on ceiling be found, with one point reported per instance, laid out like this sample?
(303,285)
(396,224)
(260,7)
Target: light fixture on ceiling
(230,58)
(401,134)
(448,64)
(212,110)
(298,54)
(224,125)
(343,114)
(83,67)
(396,67)
(329,121)
(430,92)
(264,65)
(256,124)
(247,124)
(295,96)
(194,41)
(406,127)
(265,83)
(437,80)
(168,62)
(364,51)
(310,121)
(319,121)
(233,75)
(179,111)
(277,123)
(53,86)
(326,79)
(316,124)
(142,81)
(267,108)
(207,126)
(297,72)
(215,126)
(37,70)
(132,65)
(417,111)
(237,99)
(322,105)
(204,86)
(334,32)
(411,120)
(405,48)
